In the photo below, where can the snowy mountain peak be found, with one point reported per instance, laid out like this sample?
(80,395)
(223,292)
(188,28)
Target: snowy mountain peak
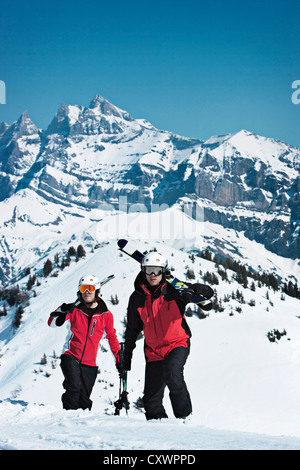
(22,127)
(66,116)
(97,101)
(271,153)
(101,117)
(105,107)
(25,125)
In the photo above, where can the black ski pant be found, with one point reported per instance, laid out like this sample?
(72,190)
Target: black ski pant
(167,372)
(79,382)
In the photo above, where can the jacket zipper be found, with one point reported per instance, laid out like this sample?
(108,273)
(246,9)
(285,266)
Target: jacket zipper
(157,318)
(93,327)
(86,337)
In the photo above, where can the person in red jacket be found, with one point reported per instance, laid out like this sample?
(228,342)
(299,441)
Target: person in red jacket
(158,309)
(87,322)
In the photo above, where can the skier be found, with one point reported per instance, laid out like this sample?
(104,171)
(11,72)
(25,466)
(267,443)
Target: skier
(158,308)
(88,321)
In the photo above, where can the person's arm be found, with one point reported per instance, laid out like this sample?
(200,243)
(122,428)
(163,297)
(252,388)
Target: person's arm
(59,316)
(112,336)
(133,328)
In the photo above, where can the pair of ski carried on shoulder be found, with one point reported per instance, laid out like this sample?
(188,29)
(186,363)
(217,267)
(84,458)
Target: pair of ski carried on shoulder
(129,249)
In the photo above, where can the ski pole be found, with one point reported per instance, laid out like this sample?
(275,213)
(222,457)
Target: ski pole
(122,402)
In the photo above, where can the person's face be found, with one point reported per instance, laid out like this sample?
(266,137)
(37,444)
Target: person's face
(88,297)
(154,280)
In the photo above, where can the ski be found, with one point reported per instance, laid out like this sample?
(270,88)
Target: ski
(106,279)
(130,250)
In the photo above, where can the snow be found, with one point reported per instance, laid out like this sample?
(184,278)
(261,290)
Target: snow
(244,389)
(51,428)
(278,156)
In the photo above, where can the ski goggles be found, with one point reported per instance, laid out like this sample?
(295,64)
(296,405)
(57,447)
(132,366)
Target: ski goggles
(85,287)
(156,270)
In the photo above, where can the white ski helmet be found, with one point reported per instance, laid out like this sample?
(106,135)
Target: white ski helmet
(89,280)
(154,259)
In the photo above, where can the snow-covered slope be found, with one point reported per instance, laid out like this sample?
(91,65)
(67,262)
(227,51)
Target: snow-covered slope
(244,388)
(33,229)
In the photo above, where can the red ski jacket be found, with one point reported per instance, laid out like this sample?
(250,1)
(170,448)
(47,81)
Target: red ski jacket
(86,330)
(160,314)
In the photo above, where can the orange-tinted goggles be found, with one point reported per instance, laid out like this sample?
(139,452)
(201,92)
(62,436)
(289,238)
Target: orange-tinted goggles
(85,287)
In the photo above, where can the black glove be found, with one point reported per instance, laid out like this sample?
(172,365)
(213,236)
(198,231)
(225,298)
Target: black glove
(64,308)
(203,289)
(197,289)
(126,359)
(187,294)
(120,368)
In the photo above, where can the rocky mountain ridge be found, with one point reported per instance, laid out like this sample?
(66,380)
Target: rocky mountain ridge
(89,157)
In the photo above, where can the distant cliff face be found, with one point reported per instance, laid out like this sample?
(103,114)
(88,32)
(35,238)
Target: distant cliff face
(19,147)
(245,182)
(91,156)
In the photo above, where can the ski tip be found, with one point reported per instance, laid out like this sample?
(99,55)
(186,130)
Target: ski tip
(121,243)
(206,306)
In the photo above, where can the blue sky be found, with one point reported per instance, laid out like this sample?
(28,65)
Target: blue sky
(191,67)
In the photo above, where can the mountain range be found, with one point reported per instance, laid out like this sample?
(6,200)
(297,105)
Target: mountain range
(91,158)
